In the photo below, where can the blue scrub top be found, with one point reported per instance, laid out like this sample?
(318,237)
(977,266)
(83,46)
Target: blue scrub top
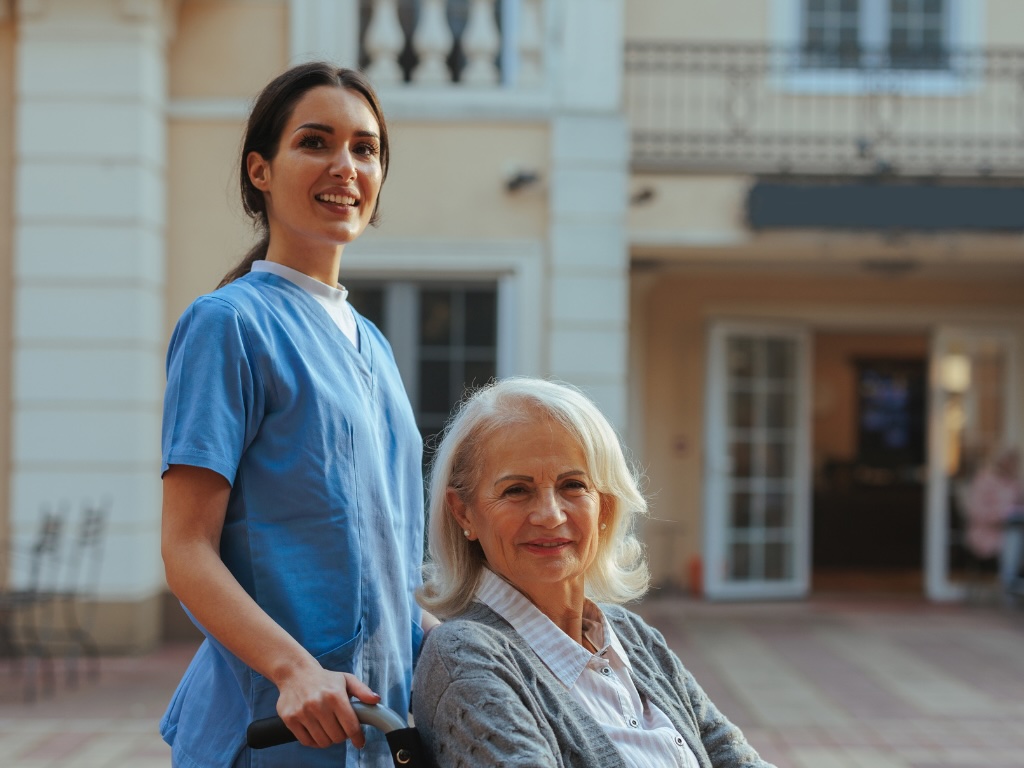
(324,526)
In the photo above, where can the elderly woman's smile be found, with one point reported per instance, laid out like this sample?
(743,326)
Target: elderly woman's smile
(534,509)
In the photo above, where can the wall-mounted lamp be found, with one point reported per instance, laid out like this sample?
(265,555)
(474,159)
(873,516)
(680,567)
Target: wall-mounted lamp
(641,196)
(955,373)
(520,179)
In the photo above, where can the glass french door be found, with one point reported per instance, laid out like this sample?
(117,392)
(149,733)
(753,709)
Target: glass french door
(757,468)
(971,415)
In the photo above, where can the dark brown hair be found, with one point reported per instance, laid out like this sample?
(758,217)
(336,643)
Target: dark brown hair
(270,113)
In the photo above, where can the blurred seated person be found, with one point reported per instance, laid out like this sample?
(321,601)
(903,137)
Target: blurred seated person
(993,502)
(532,551)
(991,496)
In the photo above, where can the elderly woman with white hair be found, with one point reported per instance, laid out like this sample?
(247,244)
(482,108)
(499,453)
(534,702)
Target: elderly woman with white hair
(532,551)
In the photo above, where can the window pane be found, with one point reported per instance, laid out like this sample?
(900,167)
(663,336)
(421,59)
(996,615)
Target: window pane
(849,38)
(776,510)
(778,410)
(778,359)
(740,561)
(369,302)
(815,39)
(435,386)
(741,410)
(435,317)
(777,560)
(917,34)
(741,358)
(481,318)
(742,464)
(741,509)
(776,460)
(831,33)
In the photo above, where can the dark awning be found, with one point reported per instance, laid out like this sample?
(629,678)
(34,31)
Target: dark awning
(901,206)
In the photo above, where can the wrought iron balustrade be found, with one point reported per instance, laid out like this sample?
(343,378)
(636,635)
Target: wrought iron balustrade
(762,109)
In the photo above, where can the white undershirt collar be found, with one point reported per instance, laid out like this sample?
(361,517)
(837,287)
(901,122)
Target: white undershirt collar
(334,300)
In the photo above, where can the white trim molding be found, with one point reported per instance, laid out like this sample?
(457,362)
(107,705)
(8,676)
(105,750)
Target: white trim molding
(517,265)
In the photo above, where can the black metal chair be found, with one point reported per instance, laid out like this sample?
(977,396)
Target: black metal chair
(67,627)
(24,599)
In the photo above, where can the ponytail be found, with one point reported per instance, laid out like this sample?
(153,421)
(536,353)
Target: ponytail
(257,253)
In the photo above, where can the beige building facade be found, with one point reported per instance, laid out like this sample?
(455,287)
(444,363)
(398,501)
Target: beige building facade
(825,330)
(609,192)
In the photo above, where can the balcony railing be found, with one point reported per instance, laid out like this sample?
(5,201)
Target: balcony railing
(473,43)
(703,107)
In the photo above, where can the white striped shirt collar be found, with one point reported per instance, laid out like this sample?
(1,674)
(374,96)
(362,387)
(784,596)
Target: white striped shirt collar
(560,653)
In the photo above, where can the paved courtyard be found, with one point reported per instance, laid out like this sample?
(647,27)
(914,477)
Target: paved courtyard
(824,683)
(855,684)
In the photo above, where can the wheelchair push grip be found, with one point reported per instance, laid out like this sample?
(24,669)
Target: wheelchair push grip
(404,741)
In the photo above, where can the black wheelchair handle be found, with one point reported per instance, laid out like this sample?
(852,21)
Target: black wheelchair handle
(271,731)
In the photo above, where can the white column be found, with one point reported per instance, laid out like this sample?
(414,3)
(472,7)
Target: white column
(89,232)
(480,42)
(384,41)
(588,280)
(588,285)
(432,42)
(590,68)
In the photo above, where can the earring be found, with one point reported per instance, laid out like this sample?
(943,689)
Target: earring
(603,526)
(466,533)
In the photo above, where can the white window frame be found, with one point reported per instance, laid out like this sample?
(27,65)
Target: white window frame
(401,320)
(964,30)
(516,265)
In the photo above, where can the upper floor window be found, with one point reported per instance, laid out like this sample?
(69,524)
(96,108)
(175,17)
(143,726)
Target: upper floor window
(876,34)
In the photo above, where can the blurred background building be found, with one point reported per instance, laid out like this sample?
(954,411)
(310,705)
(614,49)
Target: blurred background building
(781,243)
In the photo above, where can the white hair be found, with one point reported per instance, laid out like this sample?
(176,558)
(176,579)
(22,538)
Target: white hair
(619,572)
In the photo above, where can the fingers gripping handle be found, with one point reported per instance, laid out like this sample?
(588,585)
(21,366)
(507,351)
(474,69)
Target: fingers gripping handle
(271,731)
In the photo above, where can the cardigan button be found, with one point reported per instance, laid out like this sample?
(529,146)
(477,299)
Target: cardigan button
(633,722)
(679,741)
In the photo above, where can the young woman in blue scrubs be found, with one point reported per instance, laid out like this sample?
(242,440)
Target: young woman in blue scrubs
(293,496)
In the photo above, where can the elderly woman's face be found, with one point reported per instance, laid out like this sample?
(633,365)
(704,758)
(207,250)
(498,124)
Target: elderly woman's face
(534,510)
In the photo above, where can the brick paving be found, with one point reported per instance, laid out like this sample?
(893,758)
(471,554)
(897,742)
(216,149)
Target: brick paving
(860,682)
(109,722)
(826,683)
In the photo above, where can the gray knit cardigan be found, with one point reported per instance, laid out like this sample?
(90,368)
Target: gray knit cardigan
(482,698)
